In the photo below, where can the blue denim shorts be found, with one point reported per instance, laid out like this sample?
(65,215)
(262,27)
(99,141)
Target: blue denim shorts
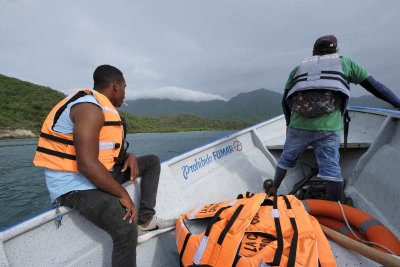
(326,149)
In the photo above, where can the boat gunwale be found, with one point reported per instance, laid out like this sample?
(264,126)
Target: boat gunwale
(377,111)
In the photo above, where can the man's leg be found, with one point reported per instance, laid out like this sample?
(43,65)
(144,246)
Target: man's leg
(295,144)
(105,211)
(149,224)
(279,175)
(334,190)
(149,170)
(326,150)
(271,186)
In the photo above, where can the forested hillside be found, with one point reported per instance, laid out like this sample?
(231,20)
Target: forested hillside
(25,105)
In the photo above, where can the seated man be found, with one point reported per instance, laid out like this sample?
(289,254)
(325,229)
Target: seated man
(82,148)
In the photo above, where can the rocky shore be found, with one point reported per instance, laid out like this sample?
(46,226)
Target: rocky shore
(8,133)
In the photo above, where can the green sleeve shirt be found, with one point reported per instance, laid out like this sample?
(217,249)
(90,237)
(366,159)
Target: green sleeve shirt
(329,122)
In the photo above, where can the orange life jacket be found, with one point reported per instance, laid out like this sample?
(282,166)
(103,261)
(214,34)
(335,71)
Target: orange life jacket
(254,231)
(56,151)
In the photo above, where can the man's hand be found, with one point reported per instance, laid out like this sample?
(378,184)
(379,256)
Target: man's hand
(127,202)
(132,163)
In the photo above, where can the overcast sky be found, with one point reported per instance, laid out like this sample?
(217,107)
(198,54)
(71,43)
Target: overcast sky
(187,49)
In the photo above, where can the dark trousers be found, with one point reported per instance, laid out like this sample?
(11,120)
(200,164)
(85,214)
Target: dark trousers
(105,210)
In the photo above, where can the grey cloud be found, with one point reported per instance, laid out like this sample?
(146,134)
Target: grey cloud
(173,93)
(218,47)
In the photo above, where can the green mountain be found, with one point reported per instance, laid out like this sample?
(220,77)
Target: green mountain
(24,105)
(254,106)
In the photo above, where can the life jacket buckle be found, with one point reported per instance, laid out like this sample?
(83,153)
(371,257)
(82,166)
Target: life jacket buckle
(275,213)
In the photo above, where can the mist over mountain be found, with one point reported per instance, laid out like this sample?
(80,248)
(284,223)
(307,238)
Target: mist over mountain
(253,107)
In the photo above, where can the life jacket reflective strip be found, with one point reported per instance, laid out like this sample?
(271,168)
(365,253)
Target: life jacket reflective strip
(56,151)
(257,232)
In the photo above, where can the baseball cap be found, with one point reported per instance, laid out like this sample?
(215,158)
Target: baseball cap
(326,42)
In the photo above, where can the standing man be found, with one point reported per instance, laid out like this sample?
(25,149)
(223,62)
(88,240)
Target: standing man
(315,98)
(82,147)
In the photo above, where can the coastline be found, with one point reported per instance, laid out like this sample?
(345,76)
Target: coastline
(10,133)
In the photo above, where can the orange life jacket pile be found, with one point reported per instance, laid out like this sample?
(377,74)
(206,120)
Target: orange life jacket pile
(253,230)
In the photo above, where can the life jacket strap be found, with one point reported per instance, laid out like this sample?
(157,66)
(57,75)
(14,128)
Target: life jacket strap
(346,124)
(112,123)
(63,107)
(293,244)
(342,78)
(336,73)
(213,220)
(337,79)
(55,153)
(279,236)
(184,246)
(102,145)
(229,224)
(57,139)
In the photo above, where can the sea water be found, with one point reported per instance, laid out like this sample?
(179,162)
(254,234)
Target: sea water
(23,191)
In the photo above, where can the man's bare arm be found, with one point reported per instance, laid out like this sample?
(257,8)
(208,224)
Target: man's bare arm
(88,120)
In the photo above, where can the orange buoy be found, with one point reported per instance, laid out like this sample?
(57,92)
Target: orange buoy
(373,229)
(340,227)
